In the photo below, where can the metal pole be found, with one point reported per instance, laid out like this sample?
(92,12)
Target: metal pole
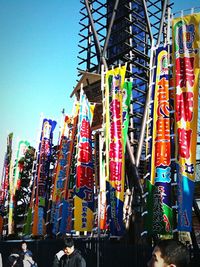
(110,27)
(144,120)
(147,19)
(96,39)
(128,145)
(161,23)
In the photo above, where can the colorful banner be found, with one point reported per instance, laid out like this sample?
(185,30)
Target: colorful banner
(127,90)
(5,180)
(27,229)
(115,149)
(61,163)
(42,177)
(60,177)
(102,214)
(84,192)
(66,225)
(13,183)
(159,217)
(186,44)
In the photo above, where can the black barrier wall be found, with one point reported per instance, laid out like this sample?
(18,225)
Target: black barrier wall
(111,252)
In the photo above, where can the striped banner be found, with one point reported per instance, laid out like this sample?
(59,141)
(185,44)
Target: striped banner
(42,177)
(186,44)
(84,194)
(160,215)
(115,149)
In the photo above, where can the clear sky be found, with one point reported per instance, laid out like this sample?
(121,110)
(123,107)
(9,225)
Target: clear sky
(38,61)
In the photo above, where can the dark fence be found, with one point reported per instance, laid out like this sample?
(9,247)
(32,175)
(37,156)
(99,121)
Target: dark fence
(101,253)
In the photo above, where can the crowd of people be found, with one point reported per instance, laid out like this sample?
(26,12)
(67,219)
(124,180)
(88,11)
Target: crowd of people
(69,256)
(166,253)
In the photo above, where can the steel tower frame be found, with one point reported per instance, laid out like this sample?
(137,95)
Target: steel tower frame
(121,31)
(117,32)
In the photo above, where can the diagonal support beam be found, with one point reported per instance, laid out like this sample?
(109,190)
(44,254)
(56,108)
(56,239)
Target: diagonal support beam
(110,28)
(162,21)
(148,21)
(101,53)
(144,119)
(95,35)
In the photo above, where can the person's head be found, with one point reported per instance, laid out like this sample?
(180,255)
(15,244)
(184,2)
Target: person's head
(69,246)
(24,246)
(169,253)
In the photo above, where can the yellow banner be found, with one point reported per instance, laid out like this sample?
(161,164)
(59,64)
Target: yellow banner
(83,216)
(186,50)
(60,167)
(161,152)
(120,71)
(114,175)
(186,45)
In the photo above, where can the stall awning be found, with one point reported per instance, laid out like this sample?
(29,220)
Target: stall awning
(87,79)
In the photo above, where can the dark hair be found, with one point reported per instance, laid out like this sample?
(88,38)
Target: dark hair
(174,252)
(68,242)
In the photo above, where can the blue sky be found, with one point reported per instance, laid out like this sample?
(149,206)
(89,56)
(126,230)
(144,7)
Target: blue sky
(38,61)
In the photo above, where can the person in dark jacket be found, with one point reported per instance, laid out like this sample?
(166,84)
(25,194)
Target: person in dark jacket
(25,250)
(69,256)
(27,255)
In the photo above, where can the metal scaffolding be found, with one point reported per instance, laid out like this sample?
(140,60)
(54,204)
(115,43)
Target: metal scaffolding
(118,32)
(124,32)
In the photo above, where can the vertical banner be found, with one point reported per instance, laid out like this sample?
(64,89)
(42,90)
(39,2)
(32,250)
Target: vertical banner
(84,194)
(186,44)
(42,177)
(102,185)
(60,176)
(115,149)
(127,90)
(66,225)
(13,183)
(102,213)
(159,217)
(5,180)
